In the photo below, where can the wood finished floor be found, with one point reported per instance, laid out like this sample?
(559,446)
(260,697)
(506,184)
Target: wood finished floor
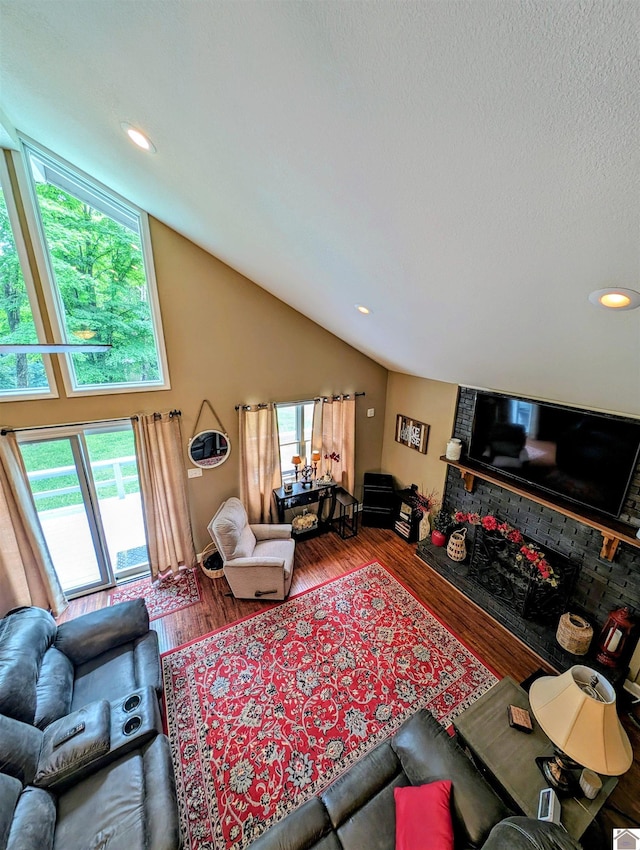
(327,557)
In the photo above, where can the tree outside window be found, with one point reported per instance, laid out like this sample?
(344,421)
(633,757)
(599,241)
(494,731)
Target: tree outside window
(94,269)
(20,374)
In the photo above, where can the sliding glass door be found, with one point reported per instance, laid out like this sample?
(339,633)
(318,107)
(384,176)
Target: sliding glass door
(84,482)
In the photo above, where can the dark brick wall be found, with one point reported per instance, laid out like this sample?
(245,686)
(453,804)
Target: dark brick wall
(601,585)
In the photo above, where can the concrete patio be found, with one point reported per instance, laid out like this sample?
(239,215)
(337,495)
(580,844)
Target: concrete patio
(69,539)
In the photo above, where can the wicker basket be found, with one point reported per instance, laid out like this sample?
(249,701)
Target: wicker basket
(457,547)
(574,634)
(214,568)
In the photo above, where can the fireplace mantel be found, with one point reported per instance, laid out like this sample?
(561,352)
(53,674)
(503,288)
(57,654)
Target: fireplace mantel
(612,531)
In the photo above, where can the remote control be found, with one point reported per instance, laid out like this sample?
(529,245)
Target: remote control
(70,733)
(549,808)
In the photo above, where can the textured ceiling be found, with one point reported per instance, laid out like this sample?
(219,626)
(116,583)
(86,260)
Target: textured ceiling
(468,170)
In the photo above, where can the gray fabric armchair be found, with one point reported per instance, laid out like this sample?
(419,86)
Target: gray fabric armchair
(257,558)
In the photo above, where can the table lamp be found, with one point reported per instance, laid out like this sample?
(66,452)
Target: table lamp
(296,460)
(315,460)
(577,712)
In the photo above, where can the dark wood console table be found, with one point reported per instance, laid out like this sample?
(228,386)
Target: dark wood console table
(308,494)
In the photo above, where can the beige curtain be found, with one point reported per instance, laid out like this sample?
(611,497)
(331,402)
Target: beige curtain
(164,493)
(259,460)
(335,421)
(27,575)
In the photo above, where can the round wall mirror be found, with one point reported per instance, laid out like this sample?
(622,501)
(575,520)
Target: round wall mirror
(209,448)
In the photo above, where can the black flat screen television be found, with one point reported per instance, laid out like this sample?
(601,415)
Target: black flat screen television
(584,457)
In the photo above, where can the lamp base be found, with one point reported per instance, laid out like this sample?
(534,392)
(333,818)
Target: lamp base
(558,774)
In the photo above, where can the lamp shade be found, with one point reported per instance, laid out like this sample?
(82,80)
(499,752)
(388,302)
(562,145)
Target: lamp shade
(296,459)
(577,711)
(315,456)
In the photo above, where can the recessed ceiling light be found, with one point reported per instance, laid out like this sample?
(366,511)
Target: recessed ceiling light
(138,137)
(362,309)
(616,299)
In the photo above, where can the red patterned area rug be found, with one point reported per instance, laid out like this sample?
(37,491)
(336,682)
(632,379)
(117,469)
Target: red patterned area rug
(265,713)
(165,597)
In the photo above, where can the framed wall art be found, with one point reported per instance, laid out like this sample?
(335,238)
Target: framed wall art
(412,433)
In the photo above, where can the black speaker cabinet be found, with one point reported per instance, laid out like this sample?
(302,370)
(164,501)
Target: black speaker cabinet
(378,500)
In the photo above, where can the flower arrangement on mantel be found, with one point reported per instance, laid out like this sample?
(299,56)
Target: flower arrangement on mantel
(527,554)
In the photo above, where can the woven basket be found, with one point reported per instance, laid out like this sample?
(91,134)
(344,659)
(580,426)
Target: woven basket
(457,547)
(209,551)
(574,634)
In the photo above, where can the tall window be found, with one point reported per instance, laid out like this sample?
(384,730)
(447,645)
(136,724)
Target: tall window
(95,262)
(21,375)
(294,427)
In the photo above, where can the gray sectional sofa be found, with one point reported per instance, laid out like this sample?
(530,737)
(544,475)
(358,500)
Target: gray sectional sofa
(83,761)
(357,811)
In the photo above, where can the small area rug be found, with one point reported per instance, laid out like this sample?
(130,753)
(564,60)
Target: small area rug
(164,597)
(265,713)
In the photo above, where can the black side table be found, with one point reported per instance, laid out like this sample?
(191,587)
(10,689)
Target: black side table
(346,523)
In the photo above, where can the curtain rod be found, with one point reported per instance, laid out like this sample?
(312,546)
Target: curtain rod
(301,401)
(5,431)
(157,415)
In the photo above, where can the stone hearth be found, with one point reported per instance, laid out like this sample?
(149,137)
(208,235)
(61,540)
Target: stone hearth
(538,635)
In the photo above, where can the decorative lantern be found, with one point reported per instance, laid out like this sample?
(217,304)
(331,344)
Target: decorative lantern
(614,636)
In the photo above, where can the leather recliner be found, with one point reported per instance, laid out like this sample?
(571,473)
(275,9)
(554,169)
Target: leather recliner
(129,804)
(47,671)
(83,761)
(358,810)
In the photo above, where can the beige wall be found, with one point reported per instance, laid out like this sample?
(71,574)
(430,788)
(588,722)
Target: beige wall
(231,342)
(433,402)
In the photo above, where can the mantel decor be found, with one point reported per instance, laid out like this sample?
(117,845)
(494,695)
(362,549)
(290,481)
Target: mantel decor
(612,531)
(412,433)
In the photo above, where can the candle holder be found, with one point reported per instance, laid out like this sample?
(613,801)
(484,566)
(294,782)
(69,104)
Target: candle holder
(613,638)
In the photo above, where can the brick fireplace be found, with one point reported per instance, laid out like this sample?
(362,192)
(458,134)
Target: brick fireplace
(597,585)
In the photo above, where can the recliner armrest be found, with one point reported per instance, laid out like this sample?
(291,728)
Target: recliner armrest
(66,756)
(92,634)
(20,745)
(521,833)
(146,659)
(255,562)
(161,806)
(265,531)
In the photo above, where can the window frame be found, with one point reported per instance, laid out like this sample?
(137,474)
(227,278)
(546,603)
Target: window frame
(54,307)
(29,394)
(300,441)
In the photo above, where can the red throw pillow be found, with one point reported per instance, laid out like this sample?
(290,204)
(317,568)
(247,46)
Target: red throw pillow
(423,817)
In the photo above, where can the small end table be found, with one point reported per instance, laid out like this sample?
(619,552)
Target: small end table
(508,757)
(346,523)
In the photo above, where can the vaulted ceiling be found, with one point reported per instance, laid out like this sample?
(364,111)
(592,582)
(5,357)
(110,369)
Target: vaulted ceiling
(470,171)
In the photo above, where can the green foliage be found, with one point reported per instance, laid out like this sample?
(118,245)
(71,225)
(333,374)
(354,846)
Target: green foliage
(443,522)
(16,321)
(99,272)
(53,454)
